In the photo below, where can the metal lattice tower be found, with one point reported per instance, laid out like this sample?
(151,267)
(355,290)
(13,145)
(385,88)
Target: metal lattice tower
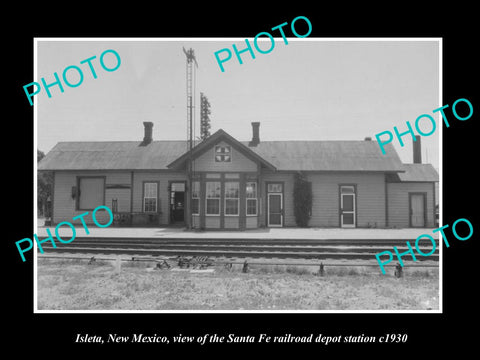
(190,123)
(190,95)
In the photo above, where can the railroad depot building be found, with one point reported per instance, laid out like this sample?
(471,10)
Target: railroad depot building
(239,185)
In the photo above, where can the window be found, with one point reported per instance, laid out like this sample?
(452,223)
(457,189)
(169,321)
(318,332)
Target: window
(251,197)
(232,198)
(223,154)
(275,188)
(213,176)
(150,196)
(91,192)
(232,176)
(212,195)
(347,189)
(196,197)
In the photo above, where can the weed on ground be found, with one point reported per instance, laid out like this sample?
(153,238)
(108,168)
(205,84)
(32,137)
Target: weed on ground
(77,285)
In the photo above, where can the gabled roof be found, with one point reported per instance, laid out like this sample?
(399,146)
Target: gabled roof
(218,136)
(275,155)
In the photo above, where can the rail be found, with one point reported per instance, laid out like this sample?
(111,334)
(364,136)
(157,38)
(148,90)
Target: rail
(226,262)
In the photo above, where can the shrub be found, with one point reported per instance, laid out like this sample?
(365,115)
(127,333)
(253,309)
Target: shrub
(302,200)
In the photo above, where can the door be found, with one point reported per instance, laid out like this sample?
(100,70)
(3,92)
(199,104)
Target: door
(275,210)
(347,206)
(177,202)
(179,206)
(417,210)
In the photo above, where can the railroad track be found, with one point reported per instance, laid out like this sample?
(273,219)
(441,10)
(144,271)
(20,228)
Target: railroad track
(361,249)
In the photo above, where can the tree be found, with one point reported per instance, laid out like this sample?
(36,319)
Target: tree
(302,200)
(204,117)
(44,188)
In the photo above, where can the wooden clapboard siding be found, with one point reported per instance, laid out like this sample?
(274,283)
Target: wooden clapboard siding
(64,206)
(212,222)
(398,203)
(287,180)
(162,178)
(251,222)
(231,222)
(121,195)
(239,163)
(370,198)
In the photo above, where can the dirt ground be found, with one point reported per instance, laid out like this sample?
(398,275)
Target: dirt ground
(76,285)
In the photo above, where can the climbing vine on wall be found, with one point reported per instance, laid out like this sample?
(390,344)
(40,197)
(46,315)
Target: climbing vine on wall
(302,200)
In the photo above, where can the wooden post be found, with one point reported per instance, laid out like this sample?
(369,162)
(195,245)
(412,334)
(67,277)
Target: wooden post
(118,265)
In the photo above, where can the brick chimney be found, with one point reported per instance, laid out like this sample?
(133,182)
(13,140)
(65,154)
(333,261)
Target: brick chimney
(255,134)
(147,138)
(417,150)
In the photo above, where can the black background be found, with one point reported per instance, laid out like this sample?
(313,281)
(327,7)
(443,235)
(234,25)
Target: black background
(54,334)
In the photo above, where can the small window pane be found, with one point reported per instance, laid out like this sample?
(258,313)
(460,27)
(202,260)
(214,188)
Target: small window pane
(178,187)
(213,189)
(150,205)
(232,190)
(251,206)
(195,206)
(213,206)
(151,190)
(251,195)
(275,219)
(348,189)
(251,190)
(196,189)
(196,197)
(347,202)
(275,188)
(232,176)
(232,194)
(348,219)
(231,206)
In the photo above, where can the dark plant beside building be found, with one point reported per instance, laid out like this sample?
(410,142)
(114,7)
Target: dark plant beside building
(302,200)
(44,189)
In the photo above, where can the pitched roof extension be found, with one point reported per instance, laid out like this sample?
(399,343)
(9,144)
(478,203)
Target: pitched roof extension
(418,173)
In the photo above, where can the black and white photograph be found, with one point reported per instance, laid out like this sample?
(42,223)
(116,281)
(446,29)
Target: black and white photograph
(228,186)
(226,181)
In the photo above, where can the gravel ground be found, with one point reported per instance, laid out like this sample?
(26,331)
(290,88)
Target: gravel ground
(75,285)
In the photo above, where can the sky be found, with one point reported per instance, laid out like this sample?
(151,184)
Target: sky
(308,89)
